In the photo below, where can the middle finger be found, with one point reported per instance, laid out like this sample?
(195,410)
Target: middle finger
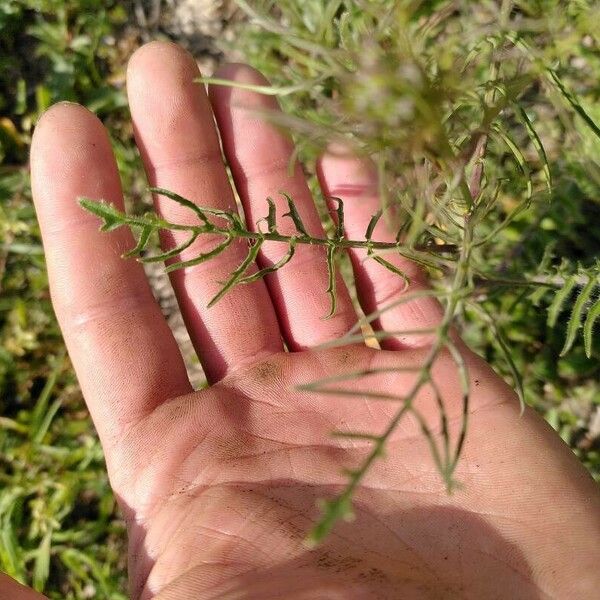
(177,138)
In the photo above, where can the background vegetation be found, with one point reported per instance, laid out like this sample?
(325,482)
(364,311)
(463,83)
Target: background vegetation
(59,529)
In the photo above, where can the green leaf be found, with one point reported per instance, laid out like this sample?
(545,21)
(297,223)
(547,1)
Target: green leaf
(390,267)
(540,291)
(559,299)
(316,386)
(435,453)
(500,338)
(588,327)
(182,201)
(339,226)
(141,243)
(372,224)
(112,217)
(518,156)
(355,435)
(201,211)
(333,510)
(272,216)
(331,287)
(43,98)
(558,83)
(275,267)
(200,259)
(538,145)
(171,253)
(577,313)
(238,273)
(21,97)
(295,216)
(572,100)
(465,384)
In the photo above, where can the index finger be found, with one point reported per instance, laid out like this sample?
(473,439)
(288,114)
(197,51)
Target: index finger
(125,356)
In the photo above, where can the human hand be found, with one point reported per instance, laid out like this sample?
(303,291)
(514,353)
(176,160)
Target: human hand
(218,487)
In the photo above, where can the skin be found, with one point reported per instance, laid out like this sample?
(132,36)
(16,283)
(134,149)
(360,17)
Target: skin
(219,487)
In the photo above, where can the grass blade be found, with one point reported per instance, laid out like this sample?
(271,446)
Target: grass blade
(10,552)
(47,421)
(41,568)
(465,384)
(265,90)
(40,409)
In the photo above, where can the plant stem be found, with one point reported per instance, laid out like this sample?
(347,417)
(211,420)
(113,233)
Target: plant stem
(482,281)
(275,236)
(460,281)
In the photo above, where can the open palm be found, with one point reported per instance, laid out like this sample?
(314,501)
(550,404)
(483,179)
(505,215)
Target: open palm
(219,487)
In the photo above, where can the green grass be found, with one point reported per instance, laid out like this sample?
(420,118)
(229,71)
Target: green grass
(59,528)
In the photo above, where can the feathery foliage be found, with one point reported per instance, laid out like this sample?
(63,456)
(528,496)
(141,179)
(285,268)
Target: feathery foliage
(449,110)
(516,84)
